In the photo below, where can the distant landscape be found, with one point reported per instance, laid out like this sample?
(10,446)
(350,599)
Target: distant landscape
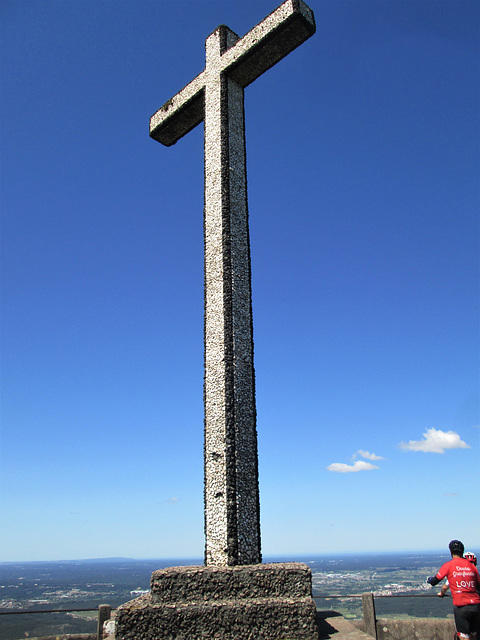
(37,586)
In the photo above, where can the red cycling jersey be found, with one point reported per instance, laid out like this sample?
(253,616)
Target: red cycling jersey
(463,579)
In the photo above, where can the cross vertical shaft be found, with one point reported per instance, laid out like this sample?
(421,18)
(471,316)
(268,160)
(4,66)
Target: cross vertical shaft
(232,520)
(232,525)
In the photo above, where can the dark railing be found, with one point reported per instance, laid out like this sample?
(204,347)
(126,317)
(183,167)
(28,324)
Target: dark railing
(323,596)
(23,612)
(104,613)
(368,605)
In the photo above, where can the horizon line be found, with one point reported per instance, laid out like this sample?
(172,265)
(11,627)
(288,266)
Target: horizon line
(199,559)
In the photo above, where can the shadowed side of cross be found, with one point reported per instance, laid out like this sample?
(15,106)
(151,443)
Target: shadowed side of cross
(216,95)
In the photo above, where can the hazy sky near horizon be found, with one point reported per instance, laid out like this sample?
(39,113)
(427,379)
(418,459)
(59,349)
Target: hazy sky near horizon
(363,169)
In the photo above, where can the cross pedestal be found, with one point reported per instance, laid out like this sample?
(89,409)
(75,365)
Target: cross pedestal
(232,514)
(244,602)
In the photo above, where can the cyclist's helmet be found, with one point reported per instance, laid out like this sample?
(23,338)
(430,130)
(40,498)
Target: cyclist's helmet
(471,557)
(456,547)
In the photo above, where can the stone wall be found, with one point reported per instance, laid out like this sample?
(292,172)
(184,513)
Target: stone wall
(413,629)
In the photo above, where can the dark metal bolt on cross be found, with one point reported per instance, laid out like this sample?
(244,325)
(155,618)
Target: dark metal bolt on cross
(232,514)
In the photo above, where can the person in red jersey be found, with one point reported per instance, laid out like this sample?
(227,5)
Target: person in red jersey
(468,555)
(464,582)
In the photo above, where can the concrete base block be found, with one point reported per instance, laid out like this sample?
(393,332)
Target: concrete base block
(248,602)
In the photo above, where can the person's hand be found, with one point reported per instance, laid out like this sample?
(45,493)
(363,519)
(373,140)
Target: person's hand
(441,594)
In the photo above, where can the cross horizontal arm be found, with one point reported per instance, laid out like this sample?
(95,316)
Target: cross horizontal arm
(271,40)
(180,114)
(261,48)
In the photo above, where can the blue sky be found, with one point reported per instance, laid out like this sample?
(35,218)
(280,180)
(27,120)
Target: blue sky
(363,167)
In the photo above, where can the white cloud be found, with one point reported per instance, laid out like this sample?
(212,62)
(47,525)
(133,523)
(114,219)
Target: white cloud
(435,441)
(359,465)
(169,501)
(367,455)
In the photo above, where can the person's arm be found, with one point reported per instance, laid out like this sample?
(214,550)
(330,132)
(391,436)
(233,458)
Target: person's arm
(443,590)
(441,574)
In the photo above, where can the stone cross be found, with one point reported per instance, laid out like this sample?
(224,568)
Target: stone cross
(232,517)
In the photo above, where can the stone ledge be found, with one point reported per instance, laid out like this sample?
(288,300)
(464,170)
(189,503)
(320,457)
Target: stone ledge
(199,583)
(229,620)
